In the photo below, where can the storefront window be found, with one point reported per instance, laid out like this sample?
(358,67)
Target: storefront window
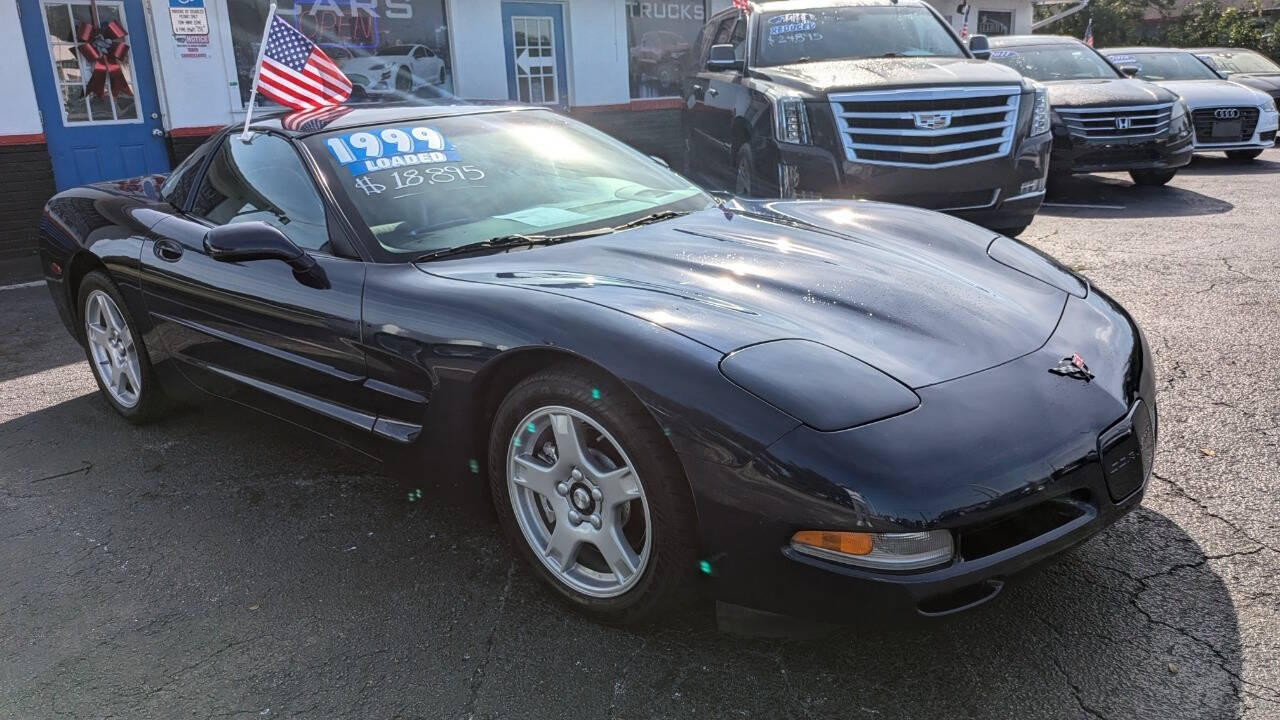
(661,35)
(995,22)
(390,49)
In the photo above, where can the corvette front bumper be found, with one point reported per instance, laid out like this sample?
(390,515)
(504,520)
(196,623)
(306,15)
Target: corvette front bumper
(1017,462)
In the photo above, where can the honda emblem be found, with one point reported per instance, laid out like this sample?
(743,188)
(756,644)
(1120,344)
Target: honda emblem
(1123,123)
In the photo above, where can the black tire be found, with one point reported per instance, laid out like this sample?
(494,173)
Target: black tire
(1152,178)
(667,579)
(151,404)
(744,172)
(404,79)
(1243,154)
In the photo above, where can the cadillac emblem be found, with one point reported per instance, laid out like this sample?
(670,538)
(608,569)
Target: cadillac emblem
(1073,367)
(932,120)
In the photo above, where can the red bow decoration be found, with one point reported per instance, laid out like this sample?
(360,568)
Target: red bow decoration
(104,47)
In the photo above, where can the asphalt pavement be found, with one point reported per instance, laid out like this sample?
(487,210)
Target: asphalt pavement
(223,565)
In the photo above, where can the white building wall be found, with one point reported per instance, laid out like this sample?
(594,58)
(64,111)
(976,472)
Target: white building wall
(595,49)
(1021,9)
(19,114)
(479,57)
(194,91)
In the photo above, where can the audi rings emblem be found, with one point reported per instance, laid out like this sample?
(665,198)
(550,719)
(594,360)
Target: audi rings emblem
(1226,113)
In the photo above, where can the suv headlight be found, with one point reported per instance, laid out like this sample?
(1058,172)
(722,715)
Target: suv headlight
(791,121)
(1040,118)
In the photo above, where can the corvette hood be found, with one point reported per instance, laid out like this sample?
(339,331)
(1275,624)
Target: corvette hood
(1212,93)
(910,292)
(832,75)
(1105,93)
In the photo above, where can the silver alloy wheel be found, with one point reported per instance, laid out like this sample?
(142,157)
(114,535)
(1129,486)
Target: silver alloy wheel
(115,357)
(578,501)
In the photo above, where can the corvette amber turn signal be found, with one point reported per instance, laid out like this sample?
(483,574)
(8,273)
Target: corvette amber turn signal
(882,551)
(848,543)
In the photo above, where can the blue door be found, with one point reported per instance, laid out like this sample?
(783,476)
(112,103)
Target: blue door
(95,87)
(533,33)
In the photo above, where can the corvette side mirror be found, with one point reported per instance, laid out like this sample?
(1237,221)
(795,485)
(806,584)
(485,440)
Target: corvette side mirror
(250,241)
(980,47)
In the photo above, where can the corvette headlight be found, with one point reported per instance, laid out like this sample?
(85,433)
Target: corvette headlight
(1040,119)
(791,121)
(1030,261)
(816,384)
(882,551)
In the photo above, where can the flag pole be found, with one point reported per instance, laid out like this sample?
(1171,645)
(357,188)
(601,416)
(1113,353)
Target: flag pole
(257,70)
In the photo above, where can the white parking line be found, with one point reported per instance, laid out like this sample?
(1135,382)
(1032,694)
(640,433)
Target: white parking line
(19,286)
(1083,205)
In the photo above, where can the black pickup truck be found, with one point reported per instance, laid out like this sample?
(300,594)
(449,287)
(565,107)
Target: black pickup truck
(871,99)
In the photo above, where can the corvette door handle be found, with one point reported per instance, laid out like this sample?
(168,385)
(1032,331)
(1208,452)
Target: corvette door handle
(168,250)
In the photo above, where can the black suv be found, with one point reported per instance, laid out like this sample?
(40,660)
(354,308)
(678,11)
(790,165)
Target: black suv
(1103,121)
(871,99)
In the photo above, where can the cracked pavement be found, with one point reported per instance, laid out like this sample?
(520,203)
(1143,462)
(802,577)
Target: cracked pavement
(225,565)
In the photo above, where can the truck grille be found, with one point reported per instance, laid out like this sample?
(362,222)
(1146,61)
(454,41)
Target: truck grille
(927,128)
(1114,123)
(1204,119)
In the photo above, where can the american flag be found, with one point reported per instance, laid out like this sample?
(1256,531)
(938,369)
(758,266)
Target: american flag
(1088,33)
(313,120)
(743,5)
(296,73)
(964,29)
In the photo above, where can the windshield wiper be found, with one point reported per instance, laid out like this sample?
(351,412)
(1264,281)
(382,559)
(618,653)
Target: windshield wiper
(493,243)
(517,240)
(647,219)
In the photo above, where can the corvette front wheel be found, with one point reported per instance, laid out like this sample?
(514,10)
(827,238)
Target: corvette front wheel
(114,348)
(590,492)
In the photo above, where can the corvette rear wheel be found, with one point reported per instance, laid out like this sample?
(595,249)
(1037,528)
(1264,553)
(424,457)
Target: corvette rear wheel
(590,493)
(116,353)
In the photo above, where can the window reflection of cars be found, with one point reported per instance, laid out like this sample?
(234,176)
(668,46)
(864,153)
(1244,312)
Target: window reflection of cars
(660,55)
(395,68)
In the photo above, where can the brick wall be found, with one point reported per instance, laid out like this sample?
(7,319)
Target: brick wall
(25,185)
(652,132)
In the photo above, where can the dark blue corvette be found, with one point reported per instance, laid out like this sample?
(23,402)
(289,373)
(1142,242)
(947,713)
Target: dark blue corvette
(807,406)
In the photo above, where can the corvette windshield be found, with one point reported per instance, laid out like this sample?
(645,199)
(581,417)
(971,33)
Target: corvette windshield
(1047,63)
(1166,66)
(427,185)
(1241,62)
(840,33)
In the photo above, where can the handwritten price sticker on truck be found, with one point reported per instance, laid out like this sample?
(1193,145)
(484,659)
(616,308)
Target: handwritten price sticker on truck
(366,152)
(789,23)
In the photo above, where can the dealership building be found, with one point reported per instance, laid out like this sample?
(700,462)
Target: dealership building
(122,88)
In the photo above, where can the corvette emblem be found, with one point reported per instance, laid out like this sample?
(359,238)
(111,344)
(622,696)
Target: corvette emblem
(1073,367)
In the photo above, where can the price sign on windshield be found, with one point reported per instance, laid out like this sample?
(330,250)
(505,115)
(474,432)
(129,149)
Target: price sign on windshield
(386,148)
